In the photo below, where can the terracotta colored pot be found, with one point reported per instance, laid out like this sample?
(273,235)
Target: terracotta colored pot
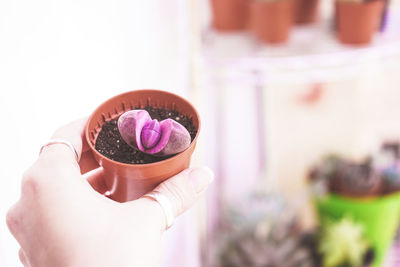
(130,181)
(357,22)
(305,11)
(229,15)
(271,21)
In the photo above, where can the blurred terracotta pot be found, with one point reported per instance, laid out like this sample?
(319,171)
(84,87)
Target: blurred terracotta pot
(229,15)
(305,11)
(271,21)
(357,22)
(130,181)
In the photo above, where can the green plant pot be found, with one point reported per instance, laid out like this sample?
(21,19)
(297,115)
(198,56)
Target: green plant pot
(379,216)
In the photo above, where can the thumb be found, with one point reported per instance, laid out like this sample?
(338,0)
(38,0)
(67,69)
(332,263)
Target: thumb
(184,189)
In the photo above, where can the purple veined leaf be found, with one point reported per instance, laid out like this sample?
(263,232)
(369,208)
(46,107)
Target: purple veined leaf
(151,134)
(164,138)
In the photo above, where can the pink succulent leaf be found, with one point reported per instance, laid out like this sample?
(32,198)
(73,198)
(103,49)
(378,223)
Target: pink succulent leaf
(130,125)
(164,138)
(179,138)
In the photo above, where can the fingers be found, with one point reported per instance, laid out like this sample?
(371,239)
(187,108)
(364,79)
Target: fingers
(87,162)
(60,153)
(15,225)
(73,132)
(22,258)
(185,188)
(60,156)
(182,191)
(96,180)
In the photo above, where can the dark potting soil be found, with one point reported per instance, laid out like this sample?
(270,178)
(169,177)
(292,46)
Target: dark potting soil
(110,143)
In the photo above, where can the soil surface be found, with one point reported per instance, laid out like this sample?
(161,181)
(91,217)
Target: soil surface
(110,143)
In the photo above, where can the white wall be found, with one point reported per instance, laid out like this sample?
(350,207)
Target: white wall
(60,59)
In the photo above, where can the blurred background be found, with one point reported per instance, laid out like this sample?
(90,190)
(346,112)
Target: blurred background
(280,86)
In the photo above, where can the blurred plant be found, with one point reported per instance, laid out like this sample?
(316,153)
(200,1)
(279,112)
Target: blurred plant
(347,177)
(375,175)
(342,244)
(357,178)
(266,233)
(325,169)
(388,163)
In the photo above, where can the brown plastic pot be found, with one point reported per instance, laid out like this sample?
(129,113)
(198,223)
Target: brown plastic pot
(357,22)
(127,182)
(229,15)
(271,21)
(305,11)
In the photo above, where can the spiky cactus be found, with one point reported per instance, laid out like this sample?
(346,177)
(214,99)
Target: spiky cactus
(342,244)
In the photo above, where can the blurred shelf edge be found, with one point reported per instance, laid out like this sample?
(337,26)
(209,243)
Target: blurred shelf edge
(313,52)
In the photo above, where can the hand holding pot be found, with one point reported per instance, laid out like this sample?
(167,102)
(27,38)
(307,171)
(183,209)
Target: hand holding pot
(61,221)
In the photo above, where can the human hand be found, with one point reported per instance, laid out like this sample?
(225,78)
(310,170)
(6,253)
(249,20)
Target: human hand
(60,220)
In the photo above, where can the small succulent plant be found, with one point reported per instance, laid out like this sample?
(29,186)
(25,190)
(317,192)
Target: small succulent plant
(391,174)
(348,177)
(277,251)
(376,175)
(342,244)
(359,178)
(158,138)
(267,234)
(388,163)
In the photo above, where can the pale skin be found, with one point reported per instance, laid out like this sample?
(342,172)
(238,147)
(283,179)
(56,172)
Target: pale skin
(63,219)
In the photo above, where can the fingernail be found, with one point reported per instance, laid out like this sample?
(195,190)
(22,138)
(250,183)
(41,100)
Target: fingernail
(201,178)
